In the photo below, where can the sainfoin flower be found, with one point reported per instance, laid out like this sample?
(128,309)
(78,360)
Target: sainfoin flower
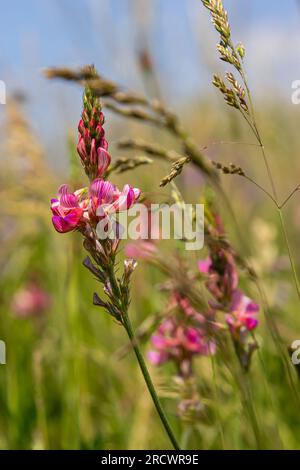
(84,208)
(68,210)
(141,249)
(222,277)
(222,281)
(92,145)
(180,337)
(145,247)
(87,206)
(92,210)
(243,313)
(30,300)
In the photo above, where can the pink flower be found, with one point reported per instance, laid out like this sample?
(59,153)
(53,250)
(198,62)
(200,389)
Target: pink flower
(205,265)
(195,343)
(178,342)
(104,194)
(101,193)
(157,358)
(92,145)
(89,206)
(243,313)
(184,304)
(140,250)
(180,337)
(67,210)
(125,199)
(145,247)
(221,271)
(30,300)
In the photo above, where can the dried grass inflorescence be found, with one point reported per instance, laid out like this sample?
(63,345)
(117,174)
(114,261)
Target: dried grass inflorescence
(230,169)
(235,95)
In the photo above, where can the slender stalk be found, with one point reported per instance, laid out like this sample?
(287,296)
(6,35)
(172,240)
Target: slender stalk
(123,306)
(289,197)
(213,365)
(292,263)
(255,130)
(249,404)
(149,383)
(274,191)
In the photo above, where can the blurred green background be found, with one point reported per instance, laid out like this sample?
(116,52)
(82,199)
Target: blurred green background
(66,384)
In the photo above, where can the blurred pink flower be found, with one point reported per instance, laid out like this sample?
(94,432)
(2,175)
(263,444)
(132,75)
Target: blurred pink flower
(240,311)
(140,250)
(180,337)
(243,313)
(178,342)
(30,300)
(222,276)
(145,247)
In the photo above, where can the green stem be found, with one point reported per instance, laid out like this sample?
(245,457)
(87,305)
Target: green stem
(149,383)
(282,223)
(292,263)
(271,179)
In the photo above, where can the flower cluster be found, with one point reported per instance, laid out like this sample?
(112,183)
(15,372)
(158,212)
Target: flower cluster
(86,207)
(222,282)
(181,336)
(92,146)
(91,210)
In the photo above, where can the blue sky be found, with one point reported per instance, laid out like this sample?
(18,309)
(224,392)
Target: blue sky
(38,33)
